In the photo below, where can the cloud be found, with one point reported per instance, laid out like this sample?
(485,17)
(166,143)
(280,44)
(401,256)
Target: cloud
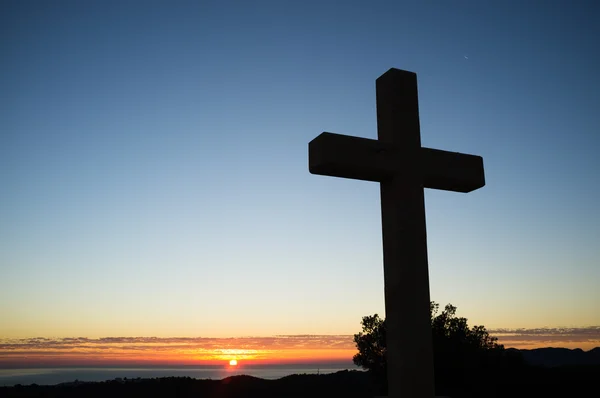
(183,350)
(158,343)
(584,337)
(107,351)
(585,331)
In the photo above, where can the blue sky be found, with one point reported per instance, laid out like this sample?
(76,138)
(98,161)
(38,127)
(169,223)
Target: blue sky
(153,160)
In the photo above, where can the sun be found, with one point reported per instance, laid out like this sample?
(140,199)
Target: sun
(233,362)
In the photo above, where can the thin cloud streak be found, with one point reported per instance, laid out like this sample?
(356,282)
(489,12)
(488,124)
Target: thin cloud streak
(72,351)
(285,342)
(585,338)
(174,350)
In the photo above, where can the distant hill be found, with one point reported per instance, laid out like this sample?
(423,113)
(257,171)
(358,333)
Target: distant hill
(344,383)
(552,357)
(528,381)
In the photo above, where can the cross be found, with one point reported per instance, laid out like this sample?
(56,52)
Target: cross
(403,168)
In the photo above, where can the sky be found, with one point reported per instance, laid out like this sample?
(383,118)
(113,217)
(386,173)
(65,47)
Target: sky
(154,171)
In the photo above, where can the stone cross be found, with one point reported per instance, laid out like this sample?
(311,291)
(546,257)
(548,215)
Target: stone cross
(403,168)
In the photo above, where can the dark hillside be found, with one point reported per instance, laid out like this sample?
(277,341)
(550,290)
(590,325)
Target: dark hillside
(348,383)
(571,381)
(561,356)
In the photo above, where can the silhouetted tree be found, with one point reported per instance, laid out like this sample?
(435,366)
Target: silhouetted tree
(460,352)
(371,344)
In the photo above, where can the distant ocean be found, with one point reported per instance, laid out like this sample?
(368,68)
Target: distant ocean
(51,376)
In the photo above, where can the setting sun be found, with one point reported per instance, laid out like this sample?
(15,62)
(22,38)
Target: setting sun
(233,362)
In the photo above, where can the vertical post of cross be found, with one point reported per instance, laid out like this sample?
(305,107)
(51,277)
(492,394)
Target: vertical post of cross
(406,278)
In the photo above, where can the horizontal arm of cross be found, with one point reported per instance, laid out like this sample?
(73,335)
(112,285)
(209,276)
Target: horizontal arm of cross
(372,160)
(451,171)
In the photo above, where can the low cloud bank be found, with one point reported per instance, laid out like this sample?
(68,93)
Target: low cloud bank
(585,338)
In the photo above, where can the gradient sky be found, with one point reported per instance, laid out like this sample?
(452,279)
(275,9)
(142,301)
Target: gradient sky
(154,169)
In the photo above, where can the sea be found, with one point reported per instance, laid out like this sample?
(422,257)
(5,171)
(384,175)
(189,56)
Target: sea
(53,376)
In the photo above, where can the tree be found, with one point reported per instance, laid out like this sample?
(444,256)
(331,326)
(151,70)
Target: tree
(372,352)
(371,344)
(459,351)
(455,342)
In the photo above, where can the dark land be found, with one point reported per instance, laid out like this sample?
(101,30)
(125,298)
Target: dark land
(549,372)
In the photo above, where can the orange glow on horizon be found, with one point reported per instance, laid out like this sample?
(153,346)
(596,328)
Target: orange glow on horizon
(277,350)
(175,351)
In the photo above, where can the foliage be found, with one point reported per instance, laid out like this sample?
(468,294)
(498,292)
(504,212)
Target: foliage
(459,350)
(454,343)
(371,344)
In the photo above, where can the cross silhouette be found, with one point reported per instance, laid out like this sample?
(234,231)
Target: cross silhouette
(403,168)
